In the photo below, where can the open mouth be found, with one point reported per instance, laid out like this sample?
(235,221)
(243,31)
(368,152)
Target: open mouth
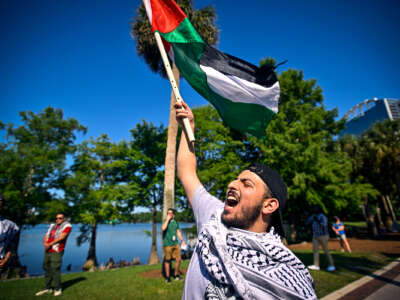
(232,199)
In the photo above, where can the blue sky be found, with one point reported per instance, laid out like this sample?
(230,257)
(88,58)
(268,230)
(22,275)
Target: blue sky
(79,56)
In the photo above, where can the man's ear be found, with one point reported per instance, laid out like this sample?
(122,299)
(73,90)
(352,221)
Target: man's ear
(269,206)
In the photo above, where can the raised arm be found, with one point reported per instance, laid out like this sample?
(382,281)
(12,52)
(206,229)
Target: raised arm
(186,160)
(164,226)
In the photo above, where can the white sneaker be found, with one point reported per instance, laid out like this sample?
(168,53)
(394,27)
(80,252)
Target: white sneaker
(313,267)
(42,292)
(57,292)
(331,268)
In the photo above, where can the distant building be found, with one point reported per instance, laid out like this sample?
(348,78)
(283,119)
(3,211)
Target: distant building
(365,114)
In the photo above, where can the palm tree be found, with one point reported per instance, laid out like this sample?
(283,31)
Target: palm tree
(376,158)
(204,22)
(381,153)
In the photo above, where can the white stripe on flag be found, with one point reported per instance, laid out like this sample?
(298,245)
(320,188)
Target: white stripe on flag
(239,90)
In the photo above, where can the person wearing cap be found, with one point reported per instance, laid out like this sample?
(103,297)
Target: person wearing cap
(239,253)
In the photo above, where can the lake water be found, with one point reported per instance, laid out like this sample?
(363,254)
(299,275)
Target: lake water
(121,242)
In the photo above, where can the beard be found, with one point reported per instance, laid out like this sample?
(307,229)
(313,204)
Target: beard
(244,219)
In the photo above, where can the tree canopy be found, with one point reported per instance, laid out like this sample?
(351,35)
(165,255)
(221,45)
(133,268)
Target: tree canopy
(203,20)
(32,163)
(300,142)
(107,180)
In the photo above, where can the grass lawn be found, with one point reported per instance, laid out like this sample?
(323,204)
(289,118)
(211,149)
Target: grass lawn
(349,267)
(127,283)
(360,224)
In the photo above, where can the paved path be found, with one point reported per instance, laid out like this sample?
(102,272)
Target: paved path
(383,284)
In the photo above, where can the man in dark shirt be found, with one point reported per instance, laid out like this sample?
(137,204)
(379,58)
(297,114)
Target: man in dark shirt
(319,224)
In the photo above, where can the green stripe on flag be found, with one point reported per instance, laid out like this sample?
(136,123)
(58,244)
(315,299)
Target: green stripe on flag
(184,33)
(243,117)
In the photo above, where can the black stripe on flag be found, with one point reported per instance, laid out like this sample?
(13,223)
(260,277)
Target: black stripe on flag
(231,65)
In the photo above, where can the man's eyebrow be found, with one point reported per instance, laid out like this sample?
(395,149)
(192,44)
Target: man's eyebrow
(243,179)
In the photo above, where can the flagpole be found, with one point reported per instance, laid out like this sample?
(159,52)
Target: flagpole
(177,94)
(172,80)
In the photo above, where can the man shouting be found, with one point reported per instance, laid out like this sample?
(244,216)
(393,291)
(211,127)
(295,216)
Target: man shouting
(239,254)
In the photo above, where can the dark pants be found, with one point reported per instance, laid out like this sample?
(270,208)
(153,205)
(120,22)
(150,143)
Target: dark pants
(52,265)
(4,272)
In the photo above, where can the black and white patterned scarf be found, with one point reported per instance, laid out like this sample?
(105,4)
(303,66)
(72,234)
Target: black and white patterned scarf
(248,265)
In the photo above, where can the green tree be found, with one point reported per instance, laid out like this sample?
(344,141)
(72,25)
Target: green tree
(300,143)
(219,155)
(376,160)
(219,151)
(32,164)
(203,21)
(94,189)
(148,148)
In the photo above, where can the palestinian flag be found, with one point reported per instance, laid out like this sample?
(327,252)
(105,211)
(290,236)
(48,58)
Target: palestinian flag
(245,96)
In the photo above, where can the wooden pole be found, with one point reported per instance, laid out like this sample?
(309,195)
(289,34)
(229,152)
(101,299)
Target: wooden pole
(168,69)
(174,86)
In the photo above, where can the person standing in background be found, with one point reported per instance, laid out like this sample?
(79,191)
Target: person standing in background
(172,250)
(54,245)
(338,228)
(319,224)
(8,234)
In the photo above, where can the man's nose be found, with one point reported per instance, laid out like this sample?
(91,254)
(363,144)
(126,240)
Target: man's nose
(233,184)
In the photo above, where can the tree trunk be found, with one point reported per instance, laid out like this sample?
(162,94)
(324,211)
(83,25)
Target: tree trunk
(369,219)
(381,226)
(389,202)
(387,217)
(395,225)
(293,233)
(91,260)
(170,154)
(154,259)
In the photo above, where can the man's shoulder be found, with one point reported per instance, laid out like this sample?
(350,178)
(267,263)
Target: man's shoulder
(173,223)
(66,227)
(10,224)
(201,194)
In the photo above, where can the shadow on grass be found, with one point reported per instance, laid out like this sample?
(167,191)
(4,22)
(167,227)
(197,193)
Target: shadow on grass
(362,265)
(388,236)
(380,277)
(68,283)
(386,280)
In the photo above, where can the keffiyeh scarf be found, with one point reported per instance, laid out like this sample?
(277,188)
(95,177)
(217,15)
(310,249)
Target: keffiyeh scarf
(248,265)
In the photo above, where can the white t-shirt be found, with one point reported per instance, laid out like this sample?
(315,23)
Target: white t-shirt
(8,230)
(197,278)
